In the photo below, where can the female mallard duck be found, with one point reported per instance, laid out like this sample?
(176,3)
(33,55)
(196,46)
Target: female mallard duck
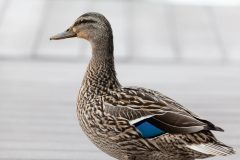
(131,123)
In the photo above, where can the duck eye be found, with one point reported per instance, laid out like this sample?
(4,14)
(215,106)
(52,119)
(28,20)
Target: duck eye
(84,21)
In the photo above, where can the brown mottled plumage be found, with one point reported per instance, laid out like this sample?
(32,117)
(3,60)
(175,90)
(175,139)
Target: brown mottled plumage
(110,114)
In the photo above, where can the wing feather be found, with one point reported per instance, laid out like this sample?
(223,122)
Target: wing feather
(140,104)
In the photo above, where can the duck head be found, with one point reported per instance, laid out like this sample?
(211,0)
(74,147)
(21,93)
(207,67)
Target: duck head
(90,26)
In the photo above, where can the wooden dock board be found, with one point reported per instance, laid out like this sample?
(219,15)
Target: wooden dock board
(37,104)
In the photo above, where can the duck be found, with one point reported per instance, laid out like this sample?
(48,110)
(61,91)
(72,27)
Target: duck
(134,123)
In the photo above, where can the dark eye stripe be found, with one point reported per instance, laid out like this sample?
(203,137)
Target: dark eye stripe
(84,21)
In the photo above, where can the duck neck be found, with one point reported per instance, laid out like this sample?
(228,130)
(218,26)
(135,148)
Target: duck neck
(100,77)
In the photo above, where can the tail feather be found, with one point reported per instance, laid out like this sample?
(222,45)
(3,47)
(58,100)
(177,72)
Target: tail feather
(215,149)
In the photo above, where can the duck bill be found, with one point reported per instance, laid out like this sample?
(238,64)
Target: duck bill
(63,35)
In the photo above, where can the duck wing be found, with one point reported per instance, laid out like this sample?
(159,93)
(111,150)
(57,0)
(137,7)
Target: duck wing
(150,111)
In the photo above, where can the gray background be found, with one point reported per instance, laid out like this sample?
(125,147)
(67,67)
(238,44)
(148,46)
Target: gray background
(187,50)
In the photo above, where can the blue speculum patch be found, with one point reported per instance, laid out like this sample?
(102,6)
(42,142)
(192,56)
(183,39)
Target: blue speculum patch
(148,130)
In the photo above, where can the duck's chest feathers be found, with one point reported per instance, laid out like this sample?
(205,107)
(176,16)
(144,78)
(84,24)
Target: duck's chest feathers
(90,113)
(94,118)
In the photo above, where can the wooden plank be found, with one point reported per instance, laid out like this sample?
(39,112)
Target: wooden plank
(37,105)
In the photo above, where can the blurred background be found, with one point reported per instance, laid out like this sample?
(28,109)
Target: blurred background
(186,49)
